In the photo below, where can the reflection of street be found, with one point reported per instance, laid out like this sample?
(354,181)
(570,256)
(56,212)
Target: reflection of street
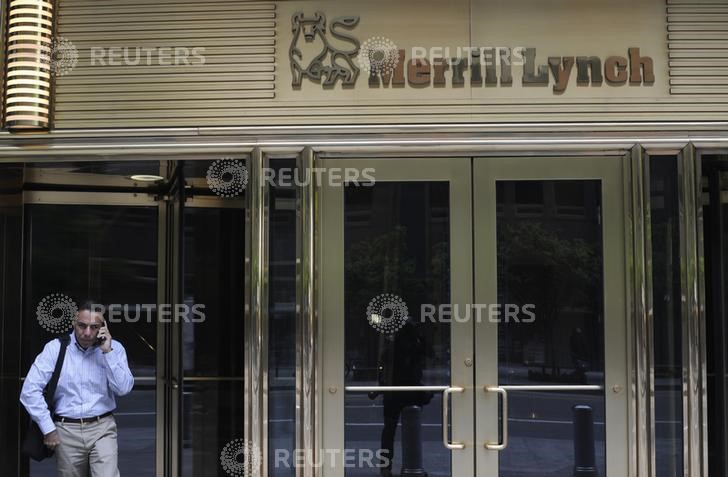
(541,442)
(540,428)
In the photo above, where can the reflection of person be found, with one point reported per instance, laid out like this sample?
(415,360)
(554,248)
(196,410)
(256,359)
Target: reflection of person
(579,353)
(401,364)
(82,430)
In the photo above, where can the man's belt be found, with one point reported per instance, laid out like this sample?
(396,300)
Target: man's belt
(83,420)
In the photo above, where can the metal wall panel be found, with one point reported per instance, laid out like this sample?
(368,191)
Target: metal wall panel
(235,38)
(697,32)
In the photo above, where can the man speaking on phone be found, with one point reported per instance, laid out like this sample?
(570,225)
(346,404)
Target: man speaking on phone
(82,429)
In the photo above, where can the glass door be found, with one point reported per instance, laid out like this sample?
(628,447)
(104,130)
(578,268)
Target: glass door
(473,318)
(551,348)
(397,388)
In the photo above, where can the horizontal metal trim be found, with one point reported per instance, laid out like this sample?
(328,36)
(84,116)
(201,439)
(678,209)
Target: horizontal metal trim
(135,18)
(12,152)
(88,198)
(191,27)
(697,9)
(159,105)
(72,10)
(211,55)
(700,62)
(155,61)
(554,388)
(701,80)
(231,41)
(160,99)
(698,89)
(442,128)
(174,69)
(697,44)
(210,89)
(698,17)
(174,34)
(698,35)
(199,79)
(692,71)
(192,379)
(369,389)
(144,3)
(698,53)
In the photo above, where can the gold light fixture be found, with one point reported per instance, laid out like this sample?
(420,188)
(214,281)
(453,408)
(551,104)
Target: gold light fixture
(28,53)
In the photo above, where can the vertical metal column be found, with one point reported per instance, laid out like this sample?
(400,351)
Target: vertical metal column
(256,312)
(693,311)
(307,435)
(639,250)
(719,326)
(169,290)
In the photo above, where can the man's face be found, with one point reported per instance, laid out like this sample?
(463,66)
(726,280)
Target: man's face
(87,326)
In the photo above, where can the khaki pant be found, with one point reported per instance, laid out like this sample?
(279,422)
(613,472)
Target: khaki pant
(87,447)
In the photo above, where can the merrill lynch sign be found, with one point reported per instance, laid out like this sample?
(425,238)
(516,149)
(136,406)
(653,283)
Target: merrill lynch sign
(328,53)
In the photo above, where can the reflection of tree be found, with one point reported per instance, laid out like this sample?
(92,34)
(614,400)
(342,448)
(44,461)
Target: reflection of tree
(383,263)
(380,264)
(536,266)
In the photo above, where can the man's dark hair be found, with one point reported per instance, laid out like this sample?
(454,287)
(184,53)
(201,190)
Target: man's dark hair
(88,305)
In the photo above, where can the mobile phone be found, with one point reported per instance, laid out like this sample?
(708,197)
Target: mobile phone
(100,341)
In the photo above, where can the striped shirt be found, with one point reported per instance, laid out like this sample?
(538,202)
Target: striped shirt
(87,385)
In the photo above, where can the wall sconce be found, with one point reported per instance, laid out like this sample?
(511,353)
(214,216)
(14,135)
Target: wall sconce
(28,55)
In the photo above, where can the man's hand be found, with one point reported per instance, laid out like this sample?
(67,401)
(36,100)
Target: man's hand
(52,440)
(104,333)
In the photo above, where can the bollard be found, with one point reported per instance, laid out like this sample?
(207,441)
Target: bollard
(584,455)
(412,442)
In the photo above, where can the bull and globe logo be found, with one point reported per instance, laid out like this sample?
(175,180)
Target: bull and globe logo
(61,57)
(227,177)
(240,458)
(387,313)
(56,312)
(315,56)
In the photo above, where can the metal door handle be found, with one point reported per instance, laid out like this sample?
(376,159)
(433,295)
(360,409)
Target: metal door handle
(499,446)
(446,418)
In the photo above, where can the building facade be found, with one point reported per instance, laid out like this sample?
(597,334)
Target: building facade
(465,238)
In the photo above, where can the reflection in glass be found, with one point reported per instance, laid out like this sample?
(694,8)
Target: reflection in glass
(396,239)
(108,254)
(667,304)
(214,276)
(214,412)
(550,278)
(282,324)
(715,216)
(541,434)
(551,322)
(214,249)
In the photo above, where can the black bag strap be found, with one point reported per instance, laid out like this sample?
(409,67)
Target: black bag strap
(50,389)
